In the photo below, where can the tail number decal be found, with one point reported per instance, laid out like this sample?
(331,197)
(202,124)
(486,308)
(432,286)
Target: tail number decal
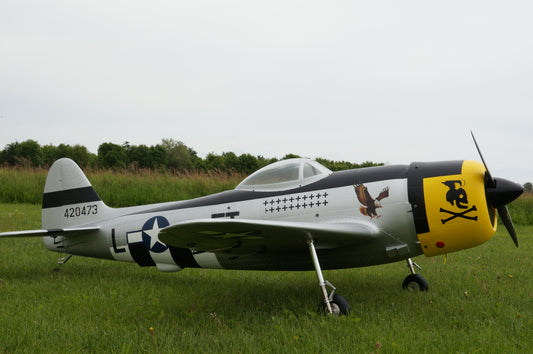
(85,210)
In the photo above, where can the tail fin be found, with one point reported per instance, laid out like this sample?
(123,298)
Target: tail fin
(69,199)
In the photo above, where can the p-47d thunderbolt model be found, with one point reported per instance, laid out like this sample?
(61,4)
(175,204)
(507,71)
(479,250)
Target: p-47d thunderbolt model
(291,215)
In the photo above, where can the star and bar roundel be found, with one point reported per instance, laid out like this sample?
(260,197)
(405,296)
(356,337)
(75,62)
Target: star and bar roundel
(150,230)
(147,236)
(144,247)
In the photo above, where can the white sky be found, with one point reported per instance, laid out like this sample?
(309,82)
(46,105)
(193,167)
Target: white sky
(382,81)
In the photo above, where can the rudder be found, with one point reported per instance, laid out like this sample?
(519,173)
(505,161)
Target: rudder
(69,198)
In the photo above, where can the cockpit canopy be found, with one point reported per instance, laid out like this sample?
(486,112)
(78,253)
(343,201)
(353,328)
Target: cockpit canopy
(285,174)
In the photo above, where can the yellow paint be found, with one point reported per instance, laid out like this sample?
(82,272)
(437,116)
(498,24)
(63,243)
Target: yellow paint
(453,232)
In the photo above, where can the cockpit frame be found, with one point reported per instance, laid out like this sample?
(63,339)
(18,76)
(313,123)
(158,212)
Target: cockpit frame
(284,175)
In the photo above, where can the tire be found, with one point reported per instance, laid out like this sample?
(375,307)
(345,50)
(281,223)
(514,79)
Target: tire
(339,306)
(414,282)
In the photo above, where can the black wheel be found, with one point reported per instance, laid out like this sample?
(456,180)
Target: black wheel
(415,282)
(339,306)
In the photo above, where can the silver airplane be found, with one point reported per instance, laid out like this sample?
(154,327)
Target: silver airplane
(292,215)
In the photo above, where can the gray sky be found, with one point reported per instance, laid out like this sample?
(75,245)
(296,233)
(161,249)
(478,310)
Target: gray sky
(382,81)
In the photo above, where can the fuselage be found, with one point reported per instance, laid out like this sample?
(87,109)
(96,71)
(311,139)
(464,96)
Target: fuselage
(430,208)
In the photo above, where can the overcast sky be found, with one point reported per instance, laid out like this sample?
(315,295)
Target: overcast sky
(382,81)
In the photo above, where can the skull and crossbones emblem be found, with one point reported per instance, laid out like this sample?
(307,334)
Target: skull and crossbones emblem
(457,196)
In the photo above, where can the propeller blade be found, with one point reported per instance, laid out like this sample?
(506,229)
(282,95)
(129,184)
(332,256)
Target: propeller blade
(491,182)
(503,212)
(500,192)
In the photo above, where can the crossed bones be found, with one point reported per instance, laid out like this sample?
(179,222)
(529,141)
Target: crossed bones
(459,215)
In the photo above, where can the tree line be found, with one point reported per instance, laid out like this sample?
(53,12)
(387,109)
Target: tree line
(170,154)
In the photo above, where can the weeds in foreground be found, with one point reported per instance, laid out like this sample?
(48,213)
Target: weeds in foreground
(137,186)
(120,188)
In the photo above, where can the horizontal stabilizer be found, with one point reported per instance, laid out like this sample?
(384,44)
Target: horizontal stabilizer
(249,236)
(50,232)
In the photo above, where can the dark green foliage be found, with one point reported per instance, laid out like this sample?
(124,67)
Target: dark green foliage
(290,156)
(78,153)
(139,154)
(248,163)
(28,152)
(170,155)
(345,165)
(177,155)
(142,156)
(229,162)
(112,155)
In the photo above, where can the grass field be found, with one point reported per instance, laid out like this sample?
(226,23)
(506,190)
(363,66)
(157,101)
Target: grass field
(480,301)
(126,188)
(119,188)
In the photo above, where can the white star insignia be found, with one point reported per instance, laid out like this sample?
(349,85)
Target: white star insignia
(153,234)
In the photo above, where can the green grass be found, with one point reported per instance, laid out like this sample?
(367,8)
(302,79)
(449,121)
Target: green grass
(127,188)
(119,188)
(522,209)
(480,300)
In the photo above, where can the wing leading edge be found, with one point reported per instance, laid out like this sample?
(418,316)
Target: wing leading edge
(251,236)
(50,232)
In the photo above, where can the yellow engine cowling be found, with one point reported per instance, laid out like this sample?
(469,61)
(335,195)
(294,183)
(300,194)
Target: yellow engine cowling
(456,210)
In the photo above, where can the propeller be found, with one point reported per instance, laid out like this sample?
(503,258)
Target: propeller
(500,192)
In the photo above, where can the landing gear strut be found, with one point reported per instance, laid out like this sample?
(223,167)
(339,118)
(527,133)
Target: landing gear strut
(332,303)
(414,281)
(61,261)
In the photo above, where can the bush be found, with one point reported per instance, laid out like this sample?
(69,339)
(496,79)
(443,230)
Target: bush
(170,155)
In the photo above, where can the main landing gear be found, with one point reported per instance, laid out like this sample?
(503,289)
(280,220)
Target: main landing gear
(337,305)
(414,281)
(333,303)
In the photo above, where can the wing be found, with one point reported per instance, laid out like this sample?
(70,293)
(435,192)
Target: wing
(252,236)
(49,232)
(362,194)
(384,193)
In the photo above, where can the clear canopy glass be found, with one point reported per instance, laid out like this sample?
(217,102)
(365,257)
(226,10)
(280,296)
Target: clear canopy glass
(285,174)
